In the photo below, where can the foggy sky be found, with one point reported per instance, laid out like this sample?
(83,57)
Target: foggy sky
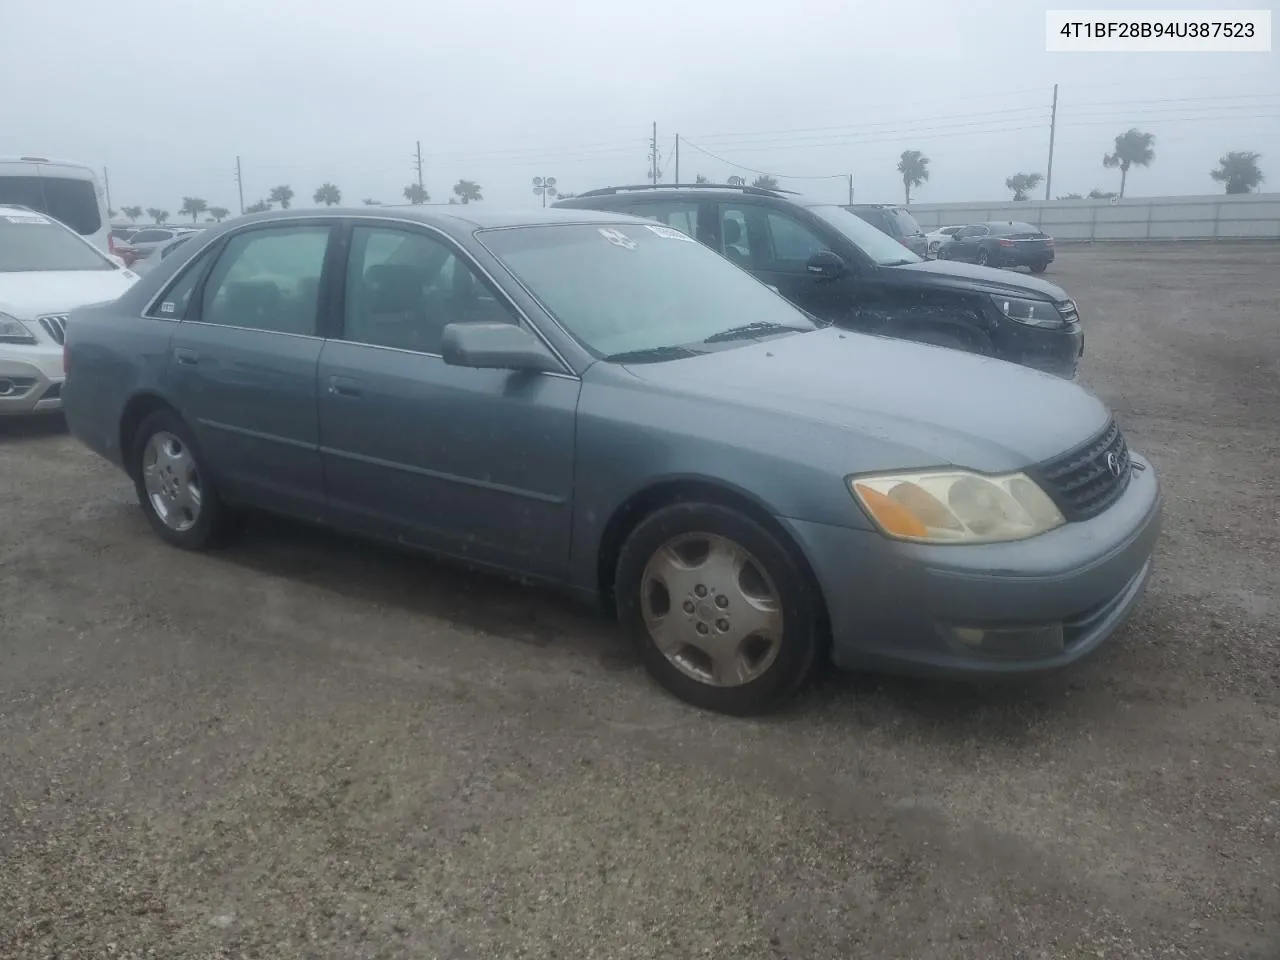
(166,94)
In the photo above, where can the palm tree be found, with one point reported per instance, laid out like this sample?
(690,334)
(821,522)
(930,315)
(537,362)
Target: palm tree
(219,213)
(193,207)
(282,195)
(737,181)
(1239,170)
(133,213)
(1096,194)
(1021,183)
(467,191)
(765,182)
(1132,147)
(1072,196)
(700,179)
(327,194)
(914,167)
(416,194)
(262,206)
(370,203)
(158,215)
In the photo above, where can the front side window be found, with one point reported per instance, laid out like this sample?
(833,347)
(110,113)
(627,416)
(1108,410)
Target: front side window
(735,236)
(623,288)
(793,242)
(405,287)
(31,242)
(268,280)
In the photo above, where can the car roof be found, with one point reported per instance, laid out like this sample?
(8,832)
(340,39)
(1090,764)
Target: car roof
(446,216)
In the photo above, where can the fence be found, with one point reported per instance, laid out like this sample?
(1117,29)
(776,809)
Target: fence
(1254,216)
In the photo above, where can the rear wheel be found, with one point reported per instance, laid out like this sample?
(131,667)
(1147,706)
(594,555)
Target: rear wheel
(175,490)
(1040,266)
(722,613)
(984,258)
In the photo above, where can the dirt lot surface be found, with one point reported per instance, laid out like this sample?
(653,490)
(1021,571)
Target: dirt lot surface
(307,747)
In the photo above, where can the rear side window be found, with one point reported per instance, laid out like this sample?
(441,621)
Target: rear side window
(73,202)
(268,280)
(175,301)
(151,236)
(876,218)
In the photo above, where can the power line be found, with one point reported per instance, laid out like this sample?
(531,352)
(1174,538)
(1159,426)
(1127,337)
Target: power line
(764,173)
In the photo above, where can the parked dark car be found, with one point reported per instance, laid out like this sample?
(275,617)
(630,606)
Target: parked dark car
(842,270)
(599,402)
(896,222)
(1005,243)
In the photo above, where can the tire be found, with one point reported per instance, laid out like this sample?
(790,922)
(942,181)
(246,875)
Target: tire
(1040,266)
(166,466)
(934,248)
(984,258)
(679,563)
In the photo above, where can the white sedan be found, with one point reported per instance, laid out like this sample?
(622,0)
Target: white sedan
(45,271)
(937,238)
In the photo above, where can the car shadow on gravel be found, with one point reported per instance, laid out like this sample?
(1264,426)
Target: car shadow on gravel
(384,576)
(18,429)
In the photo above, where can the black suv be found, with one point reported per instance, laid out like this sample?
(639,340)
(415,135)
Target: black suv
(894,222)
(839,268)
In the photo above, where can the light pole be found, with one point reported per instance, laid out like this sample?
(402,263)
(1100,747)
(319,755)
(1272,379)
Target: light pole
(544,187)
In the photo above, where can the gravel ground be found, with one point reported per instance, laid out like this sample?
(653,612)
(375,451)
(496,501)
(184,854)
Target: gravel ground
(307,747)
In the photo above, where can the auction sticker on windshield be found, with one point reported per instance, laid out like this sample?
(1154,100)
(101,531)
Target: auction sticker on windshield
(618,238)
(669,233)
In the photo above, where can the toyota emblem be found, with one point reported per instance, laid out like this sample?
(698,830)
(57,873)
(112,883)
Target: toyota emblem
(1114,464)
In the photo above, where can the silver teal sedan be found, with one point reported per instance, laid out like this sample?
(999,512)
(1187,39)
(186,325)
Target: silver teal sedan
(599,403)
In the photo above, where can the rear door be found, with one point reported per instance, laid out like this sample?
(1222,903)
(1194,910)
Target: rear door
(473,463)
(966,242)
(243,364)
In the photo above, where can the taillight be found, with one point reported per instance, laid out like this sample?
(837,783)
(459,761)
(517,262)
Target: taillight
(111,244)
(904,243)
(1006,243)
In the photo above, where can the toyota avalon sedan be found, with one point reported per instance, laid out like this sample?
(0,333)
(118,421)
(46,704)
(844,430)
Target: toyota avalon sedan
(600,403)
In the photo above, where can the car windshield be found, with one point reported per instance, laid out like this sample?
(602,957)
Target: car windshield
(880,247)
(630,288)
(31,242)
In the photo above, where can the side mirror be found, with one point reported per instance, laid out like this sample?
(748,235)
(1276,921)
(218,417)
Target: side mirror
(495,346)
(827,265)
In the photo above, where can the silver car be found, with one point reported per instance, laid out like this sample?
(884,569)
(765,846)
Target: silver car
(602,404)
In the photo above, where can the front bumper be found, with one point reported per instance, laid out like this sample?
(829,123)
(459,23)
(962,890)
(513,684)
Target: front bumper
(990,609)
(1052,351)
(30,379)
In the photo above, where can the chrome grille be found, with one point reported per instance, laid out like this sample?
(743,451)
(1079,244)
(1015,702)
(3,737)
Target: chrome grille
(1083,482)
(55,325)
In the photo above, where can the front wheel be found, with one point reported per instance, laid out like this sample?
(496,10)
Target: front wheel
(173,487)
(984,258)
(721,612)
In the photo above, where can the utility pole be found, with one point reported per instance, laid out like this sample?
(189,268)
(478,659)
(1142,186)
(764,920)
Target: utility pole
(106,186)
(419,164)
(240,185)
(1053,129)
(677,159)
(850,189)
(653,155)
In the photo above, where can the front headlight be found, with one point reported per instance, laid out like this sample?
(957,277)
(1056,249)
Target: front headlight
(13,330)
(956,506)
(1034,313)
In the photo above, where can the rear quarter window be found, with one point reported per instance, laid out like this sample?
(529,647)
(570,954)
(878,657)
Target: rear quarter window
(907,224)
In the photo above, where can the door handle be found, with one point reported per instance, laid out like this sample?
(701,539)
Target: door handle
(345,387)
(183,355)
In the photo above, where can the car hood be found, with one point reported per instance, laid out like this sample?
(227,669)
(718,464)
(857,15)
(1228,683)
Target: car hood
(28,295)
(942,405)
(969,276)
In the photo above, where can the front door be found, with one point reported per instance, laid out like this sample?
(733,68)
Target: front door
(776,246)
(473,463)
(243,366)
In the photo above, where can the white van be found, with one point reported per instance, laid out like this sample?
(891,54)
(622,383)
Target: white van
(65,190)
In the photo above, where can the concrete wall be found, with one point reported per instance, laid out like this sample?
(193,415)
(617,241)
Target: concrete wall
(1215,217)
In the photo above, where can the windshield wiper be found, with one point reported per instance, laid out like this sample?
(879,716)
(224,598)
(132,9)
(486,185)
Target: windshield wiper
(897,263)
(748,330)
(671,352)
